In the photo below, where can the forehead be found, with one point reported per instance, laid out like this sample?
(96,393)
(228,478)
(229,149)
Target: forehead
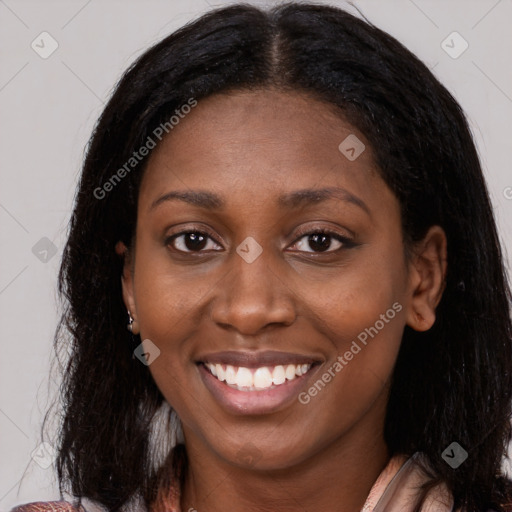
(261,143)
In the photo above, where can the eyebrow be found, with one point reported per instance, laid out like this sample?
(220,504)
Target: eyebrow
(295,199)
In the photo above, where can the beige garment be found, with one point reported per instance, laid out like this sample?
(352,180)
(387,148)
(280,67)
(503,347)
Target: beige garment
(397,489)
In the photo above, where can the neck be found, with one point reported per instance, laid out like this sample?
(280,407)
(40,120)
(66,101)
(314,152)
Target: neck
(338,477)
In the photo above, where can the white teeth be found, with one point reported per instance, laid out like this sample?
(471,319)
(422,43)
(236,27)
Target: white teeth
(278,376)
(246,379)
(302,369)
(262,378)
(230,374)
(221,374)
(290,372)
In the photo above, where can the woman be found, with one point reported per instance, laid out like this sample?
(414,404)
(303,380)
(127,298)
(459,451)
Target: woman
(288,210)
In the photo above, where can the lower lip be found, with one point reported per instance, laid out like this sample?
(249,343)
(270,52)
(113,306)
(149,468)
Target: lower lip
(254,402)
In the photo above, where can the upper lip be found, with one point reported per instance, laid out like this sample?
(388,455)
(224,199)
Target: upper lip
(256,359)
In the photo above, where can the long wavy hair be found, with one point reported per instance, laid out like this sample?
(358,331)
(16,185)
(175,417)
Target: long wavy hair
(451,383)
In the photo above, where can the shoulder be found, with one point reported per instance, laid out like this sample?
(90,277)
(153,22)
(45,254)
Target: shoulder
(47,506)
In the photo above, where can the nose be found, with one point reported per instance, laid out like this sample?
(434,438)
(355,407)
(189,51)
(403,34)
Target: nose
(253,296)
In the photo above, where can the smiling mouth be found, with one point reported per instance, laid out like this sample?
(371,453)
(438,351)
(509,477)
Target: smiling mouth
(256,379)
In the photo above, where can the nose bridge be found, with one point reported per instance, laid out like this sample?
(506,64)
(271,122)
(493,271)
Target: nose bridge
(252,296)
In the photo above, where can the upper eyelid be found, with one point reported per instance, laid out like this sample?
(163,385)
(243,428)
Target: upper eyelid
(181,233)
(328,231)
(302,232)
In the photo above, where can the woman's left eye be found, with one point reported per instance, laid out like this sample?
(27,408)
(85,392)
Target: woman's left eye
(322,241)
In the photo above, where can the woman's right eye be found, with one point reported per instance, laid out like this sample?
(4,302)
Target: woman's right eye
(190,241)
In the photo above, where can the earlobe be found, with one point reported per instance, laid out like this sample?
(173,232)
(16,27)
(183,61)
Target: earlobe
(127,286)
(427,279)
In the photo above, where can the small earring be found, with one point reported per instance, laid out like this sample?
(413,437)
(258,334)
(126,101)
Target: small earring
(133,326)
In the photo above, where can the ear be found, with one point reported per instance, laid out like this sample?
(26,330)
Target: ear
(127,279)
(427,279)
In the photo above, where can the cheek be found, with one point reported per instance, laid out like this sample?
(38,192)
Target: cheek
(363,316)
(168,298)
(354,298)
(365,346)
(366,334)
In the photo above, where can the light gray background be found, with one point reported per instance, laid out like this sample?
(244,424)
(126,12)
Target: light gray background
(48,108)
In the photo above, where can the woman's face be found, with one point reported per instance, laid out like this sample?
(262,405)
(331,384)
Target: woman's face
(231,268)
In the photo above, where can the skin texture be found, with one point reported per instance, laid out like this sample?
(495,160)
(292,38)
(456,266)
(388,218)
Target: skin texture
(249,148)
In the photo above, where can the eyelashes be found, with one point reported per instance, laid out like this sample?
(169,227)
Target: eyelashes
(197,238)
(319,237)
(195,241)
